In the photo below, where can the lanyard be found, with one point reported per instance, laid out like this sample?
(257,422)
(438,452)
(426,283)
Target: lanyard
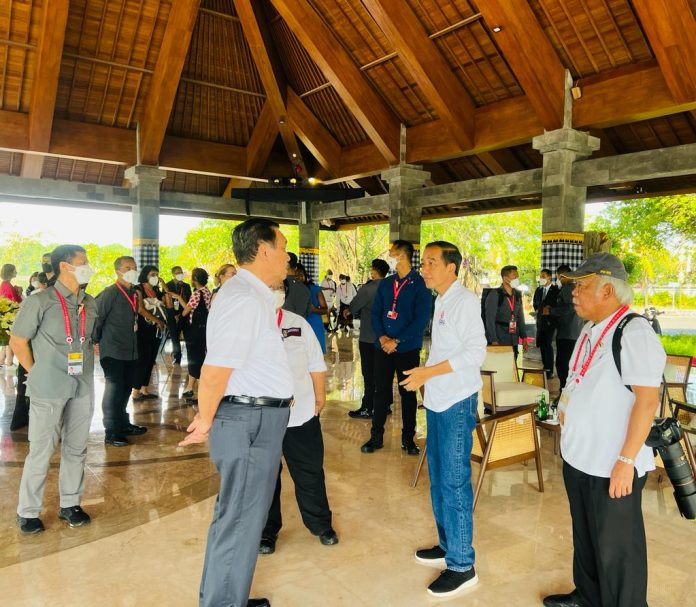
(586,364)
(398,290)
(279,315)
(511,302)
(66,320)
(131,302)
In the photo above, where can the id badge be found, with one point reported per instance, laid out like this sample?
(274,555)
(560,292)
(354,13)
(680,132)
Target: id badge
(75,363)
(513,327)
(392,315)
(176,305)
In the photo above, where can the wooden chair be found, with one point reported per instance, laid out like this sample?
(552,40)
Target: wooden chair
(675,380)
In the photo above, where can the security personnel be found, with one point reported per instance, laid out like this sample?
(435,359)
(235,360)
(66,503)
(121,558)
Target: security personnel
(604,426)
(60,365)
(543,301)
(245,393)
(400,313)
(504,313)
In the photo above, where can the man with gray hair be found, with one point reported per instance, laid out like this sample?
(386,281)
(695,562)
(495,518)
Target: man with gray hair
(607,408)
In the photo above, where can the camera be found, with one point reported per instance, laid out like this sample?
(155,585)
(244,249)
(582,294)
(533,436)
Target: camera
(665,436)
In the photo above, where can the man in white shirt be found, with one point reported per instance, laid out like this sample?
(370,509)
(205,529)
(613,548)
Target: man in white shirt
(452,379)
(607,408)
(328,287)
(303,445)
(244,399)
(345,293)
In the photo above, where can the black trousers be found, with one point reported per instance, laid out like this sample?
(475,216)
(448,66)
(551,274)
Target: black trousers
(367,366)
(385,367)
(544,340)
(118,379)
(564,350)
(148,346)
(303,449)
(20,416)
(195,350)
(173,324)
(610,562)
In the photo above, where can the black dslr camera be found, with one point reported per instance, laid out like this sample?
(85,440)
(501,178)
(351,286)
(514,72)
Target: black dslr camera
(664,437)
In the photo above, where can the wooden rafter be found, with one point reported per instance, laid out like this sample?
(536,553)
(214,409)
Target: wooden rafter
(165,79)
(261,143)
(530,55)
(428,67)
(43,97)
(371,111)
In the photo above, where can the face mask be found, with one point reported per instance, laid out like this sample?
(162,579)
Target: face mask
(278,298)
(153,280)
(130,276)
(47,268)
(515,282)
(343,281)
(392,261)
(179,277)
(35,283)
(83,274)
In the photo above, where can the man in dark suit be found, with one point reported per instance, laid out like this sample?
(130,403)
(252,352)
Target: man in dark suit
(178,286)
(544,299)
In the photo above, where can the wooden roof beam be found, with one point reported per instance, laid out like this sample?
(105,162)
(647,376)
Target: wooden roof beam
(530,55)
(369,108)
(261,142)
(165,80)
(428,67)
(45,87)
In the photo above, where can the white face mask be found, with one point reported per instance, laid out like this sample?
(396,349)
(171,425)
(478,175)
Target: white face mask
(130,276)
(515,282)
(35,283)
(343,281)
(83,273)
(392,261)
(179,277)
(279,298)
(153,280)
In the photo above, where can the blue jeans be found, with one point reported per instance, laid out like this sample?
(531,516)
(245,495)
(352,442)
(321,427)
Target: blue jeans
(449,466)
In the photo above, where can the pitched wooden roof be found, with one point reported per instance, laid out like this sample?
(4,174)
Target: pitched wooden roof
(235,89)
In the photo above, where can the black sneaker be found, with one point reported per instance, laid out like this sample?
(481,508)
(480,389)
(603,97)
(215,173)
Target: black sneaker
(75,516)
(360,414)
(410,447)
(117,440)
(133,430)
(433,557)
(450,583)
(29,526)
(267,545)
(329,537)
(371,445)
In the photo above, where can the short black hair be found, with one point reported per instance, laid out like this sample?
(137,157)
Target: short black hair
(506,270)
(292,262)
(145,271)
(7,271)
(564,267)
(42,278)
(381,267)
(302,269)
(247,237)
(405,247)
(175,268)
(65,252)
(545,271)
(450,253)
(118,262)
(200,276)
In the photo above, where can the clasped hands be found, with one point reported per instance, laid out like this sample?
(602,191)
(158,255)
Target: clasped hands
(389,344)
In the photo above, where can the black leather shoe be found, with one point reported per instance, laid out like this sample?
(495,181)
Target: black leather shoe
(187,394)
(360,414)
(117,440)
(75,516)
(149,396)
(267,545)
(133,430)
(29,526)
(328,538)
(258,603)
(371,445)
(563,600)
(177,360)
(410,447)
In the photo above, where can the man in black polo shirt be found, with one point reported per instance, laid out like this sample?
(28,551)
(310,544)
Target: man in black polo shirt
(400,313)
(178,286)
(116,335)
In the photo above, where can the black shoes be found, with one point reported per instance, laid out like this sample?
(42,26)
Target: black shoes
(187,394)
(267,545)
(133,430)
(117,440)
(450,583)
(563,600)
(258,603)
(410,447)
(329,537)
(360,414)
(177,359)
(75,516)
(149,396)
(371,445)
(432,557)
(29,526)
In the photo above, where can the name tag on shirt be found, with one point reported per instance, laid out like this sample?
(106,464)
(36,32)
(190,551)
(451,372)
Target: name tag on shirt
(292,332)
(75,362)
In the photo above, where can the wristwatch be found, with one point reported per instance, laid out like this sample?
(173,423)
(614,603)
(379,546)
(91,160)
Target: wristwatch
(626,460)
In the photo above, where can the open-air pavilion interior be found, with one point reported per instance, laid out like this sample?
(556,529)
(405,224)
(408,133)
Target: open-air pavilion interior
(330,114)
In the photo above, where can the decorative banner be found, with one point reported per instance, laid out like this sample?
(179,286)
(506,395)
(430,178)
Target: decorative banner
(309,258)
(146,253)
(561,247)
(416,259)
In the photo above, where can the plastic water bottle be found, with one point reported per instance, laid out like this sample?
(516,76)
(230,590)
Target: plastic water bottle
(543,408)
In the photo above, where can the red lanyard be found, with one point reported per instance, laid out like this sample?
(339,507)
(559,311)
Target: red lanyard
(279,314)
(586,364)
(66,320)
(398,290)
(511,303)
(131,302)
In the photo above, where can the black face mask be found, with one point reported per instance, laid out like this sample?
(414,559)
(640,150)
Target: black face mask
(47,268)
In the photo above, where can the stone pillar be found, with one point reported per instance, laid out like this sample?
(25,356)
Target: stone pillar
(145,183)
(563,204)
(404,211)
(309,248)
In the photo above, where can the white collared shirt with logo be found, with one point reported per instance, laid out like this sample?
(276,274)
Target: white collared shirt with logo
(598,409)
(459,337)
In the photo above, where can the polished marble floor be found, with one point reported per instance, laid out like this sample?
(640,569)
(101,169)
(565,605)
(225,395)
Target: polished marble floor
(151,504)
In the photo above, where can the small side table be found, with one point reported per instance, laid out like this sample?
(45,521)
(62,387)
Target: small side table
(554,428)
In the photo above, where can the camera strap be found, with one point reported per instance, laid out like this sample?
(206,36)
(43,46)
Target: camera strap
(616,341)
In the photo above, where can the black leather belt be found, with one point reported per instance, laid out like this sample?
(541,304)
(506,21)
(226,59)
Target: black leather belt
(259,401)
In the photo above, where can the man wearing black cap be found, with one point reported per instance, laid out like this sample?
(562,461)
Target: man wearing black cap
(606,411)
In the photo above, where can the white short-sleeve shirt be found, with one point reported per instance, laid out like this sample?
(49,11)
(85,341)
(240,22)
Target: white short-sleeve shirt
(459,337)
(305,357)
(243,334)
(598,409)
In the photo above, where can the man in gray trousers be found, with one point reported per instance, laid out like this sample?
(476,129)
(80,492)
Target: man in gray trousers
(245,393)
(60,380)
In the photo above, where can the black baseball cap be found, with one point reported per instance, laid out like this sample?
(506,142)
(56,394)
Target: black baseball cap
(602,264)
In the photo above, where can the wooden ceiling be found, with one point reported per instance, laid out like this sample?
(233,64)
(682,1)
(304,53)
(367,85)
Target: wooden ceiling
(226,90)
